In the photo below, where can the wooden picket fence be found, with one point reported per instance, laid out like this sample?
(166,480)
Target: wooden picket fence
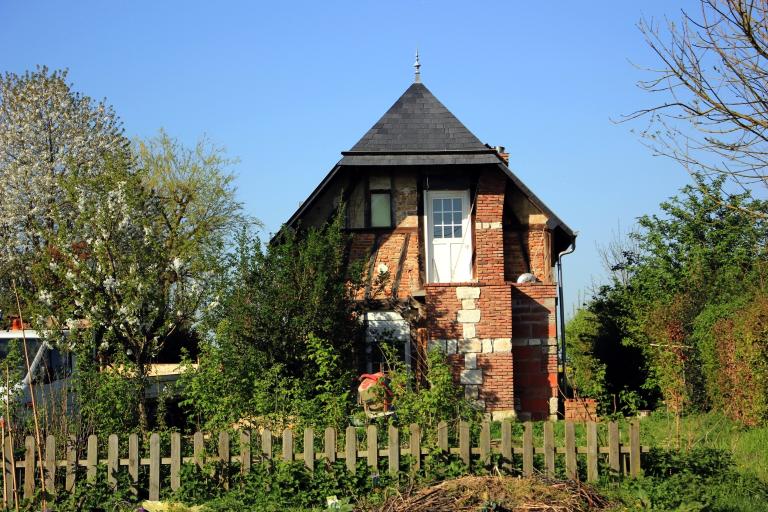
(22,476)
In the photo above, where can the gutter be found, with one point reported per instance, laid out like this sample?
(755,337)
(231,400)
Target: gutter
(562,307)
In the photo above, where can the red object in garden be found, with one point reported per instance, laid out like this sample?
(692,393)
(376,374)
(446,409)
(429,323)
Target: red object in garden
(375,402)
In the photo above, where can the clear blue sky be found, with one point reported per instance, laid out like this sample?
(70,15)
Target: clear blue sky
(286,86)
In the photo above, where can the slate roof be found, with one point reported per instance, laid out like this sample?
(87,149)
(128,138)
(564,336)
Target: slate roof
(418,130)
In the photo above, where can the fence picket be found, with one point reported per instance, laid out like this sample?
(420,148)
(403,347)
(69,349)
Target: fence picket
(506,445)
(266,443)
(50,464)
(288,445)
(465,450)
(634,448)
(154,467)
(350,448)
(329,444)
(592,452)
(29,467)
(394,450)
(133,462)
(528,449)
(71,464)
(245,451)
(613,447)
(198,449)
(415,444)
(442,436)
(372,440)
(571,469)
(175,461)
(549,449)
(485,443)
(309,448)
(113,459)
(92,458)
(9,471)
(224,458)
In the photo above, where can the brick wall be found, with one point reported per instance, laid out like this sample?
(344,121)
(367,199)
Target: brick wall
(536,243)
(580,409)
(534,349)
(489,237)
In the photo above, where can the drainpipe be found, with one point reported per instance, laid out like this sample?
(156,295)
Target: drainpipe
(562,307)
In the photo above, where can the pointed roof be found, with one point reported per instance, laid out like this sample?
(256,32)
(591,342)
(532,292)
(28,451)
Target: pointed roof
(418,130)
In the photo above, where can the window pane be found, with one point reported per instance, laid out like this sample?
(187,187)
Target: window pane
(380,211)
(438,232)
(438,218)
(447,232)
(457,205)
(456,231)
(457,217)
(437,205)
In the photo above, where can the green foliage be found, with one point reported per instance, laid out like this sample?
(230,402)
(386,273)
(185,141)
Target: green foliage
(585,372)
(702,479)
(284,334)
(437,399)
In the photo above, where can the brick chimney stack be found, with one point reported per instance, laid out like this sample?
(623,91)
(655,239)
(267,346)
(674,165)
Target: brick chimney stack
(502,154)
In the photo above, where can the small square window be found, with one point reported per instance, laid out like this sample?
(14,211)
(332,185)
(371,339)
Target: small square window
(381,210)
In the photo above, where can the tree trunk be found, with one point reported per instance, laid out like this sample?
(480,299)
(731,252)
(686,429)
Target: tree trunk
(141,375)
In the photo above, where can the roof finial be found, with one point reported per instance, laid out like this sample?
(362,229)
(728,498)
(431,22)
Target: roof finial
(417,65)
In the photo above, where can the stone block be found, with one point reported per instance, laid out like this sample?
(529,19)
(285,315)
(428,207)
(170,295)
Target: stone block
(487,346)
(471,377)
(534,341)
(469,346)
(553,405)
(471,392)
(470,330)
(468,316)
(468,304)
(451,346)
(519,342)
(502,345)
(503,415)
(467,292)
(436,345)
(470,361)
(552,341)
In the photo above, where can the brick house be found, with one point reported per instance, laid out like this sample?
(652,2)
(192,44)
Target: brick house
(444,219)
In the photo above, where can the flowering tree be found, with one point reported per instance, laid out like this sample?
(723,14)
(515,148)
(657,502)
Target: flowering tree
(47,132)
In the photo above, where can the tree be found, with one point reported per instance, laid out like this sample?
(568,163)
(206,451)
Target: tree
(138,261)
(47,132)
(714,76)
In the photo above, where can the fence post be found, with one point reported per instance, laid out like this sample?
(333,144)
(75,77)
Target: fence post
(592,452)
(198,449)
(571,469)
(92,458)
(175,461)
(372,440)
(71,464)
(9,471)
(309,448)
(634,448)
(465,450)
(506,445)
(350,448)
(415,444)
(288,445)
(50,464)
(485,443)
(613,447)
(154,467)
(266,443)
(528,449)
(245,451)
(329,444)
(133,462)
(442,436)
(224,458)
(113,459)
(549,449)
(394,450)
(29,467)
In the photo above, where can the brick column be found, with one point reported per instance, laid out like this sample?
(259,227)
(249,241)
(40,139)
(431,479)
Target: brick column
(489,236)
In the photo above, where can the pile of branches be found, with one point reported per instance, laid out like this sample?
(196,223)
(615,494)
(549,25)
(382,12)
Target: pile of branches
(498,493)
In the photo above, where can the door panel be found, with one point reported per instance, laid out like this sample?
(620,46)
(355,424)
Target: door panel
(449,236)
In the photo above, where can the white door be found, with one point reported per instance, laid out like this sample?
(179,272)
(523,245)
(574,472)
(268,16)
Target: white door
(449,236)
